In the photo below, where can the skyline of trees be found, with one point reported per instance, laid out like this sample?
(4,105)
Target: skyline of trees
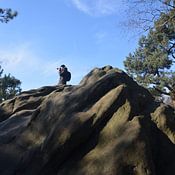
(151,64)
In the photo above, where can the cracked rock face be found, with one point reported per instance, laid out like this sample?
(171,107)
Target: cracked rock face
(106,125)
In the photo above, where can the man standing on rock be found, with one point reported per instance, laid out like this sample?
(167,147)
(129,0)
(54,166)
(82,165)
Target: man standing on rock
(65,75)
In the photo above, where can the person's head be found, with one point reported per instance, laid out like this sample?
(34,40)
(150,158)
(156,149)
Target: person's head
(63,66)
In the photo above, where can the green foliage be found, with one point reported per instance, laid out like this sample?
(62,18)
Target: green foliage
(9,86)
(7,14)
(151,63)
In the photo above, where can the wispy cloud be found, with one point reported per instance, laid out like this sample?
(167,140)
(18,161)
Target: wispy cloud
(12,57)
(100,36)
(98,7)
(28,66)
(35,71)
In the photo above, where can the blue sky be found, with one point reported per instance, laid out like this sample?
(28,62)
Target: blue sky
(81,34)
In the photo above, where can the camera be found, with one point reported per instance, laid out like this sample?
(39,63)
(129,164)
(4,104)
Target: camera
(59,69)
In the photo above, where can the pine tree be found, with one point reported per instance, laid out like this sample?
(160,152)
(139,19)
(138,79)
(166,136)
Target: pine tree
(152,62)
(9,86)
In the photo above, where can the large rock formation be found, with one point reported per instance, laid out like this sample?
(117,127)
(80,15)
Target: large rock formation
(106,125)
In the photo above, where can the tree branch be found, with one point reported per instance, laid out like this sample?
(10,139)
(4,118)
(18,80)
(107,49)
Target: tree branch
(168,4)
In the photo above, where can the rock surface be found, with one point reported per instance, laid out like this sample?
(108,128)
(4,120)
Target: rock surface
(106,125)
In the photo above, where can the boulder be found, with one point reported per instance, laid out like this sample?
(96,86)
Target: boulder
(106,125)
